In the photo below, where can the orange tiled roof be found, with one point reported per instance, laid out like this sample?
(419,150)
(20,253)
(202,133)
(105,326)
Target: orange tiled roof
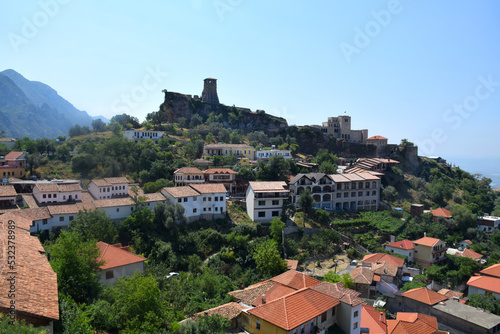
(219,171)
(7,191)
(178,192)
(494,270)
(295,309)
(54,187)
(362,275)
(188,170)
(13,155)
(450,293)
(403,244)
(340,292)
(69,208)
(412,323)
(268,186)
(154,197)
(108,181)
(275,292)
(373,320)
(471,254)
(208,188)
(426,241)
(229,311)
(376,137)
(425,296)
(295,280)
(385,268)
(383,257)
(292,264)
(485,282)
(441,212)
(116,256)
(251,293)
(109,202)
(36,282)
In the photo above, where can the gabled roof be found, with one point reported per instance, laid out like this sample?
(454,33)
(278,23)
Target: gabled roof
(179,192)
(116,256)
(69,208)
(403,244)
(292,264)
(7,191)
(36,282)
(215,146)
(13,155)
(109,181)
(268,186)
(295,309)
(385,268)
(373,320)
(54,187)
(471,254)
(110,202)
(295,280)
(376,137)
(252,292)
(383,257)
(209,188)
(219,171)
(487,283)
(229,311)
(493,270)
(425,296)
(337,290)
(450,293)
(362,275)
(188,170)
(412,323)
(311,176)
(426,241)
(441,212)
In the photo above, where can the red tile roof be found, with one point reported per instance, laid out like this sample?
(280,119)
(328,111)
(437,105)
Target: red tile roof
(494,270)
(292,264)
(275,292)
(374,320)
(209,188)
(412,323)
(295,280)
(383,257)
(441,212)
(115,256)
(426,241)
(450,293)
(188,170)
(470,254)
(110,202)
(487,283)
(219,171)
(340,292)
(385,268)
(13,155)
(251,293)
(228,311)
(268,186)
(179,192)
(108,181)
(295,309)
(425,296)
(362,275)
(36,282)
(376,137)
(7,191)
(403,244)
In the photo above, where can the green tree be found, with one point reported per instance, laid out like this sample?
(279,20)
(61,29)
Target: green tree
(405,142)
(76,263)
(98,125)
(306,201)
(94,225)
(413,285)
(327,167)
(345,279)
(276,228)
(74,318)
(268,259)
(214,324)
(390,193)
(463,217)
(486,301)
(19,327)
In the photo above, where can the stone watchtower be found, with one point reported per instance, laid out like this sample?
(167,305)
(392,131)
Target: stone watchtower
(210,91)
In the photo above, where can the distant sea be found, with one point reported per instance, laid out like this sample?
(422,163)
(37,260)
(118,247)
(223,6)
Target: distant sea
(488,167)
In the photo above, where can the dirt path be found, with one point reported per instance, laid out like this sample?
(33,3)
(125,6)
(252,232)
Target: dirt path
(310,268)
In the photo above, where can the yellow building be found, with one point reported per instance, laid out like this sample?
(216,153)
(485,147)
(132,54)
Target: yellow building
(12,165)
(238,150)
(429,251)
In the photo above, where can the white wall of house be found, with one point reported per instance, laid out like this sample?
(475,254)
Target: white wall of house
(210,205)
(118,212)
(119,272)
(110,191)
(56,196)
(59,220)
(478,291)
(349,318)
(405,252)
(266,154)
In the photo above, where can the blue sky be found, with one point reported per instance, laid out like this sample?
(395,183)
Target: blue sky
(422,70)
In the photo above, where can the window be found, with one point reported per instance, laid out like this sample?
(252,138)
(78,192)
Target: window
(216,198)
(333,311)
(339,195)
(109,274)
(353,194)
(44,196)
(222,198)
(76,196)
(262,214)
(179,200)
(276,202)
(204,209)
(346,194)
(71,218)
(360,193)
(50,195)
(221,209)
(195,199)
(323,317)
(210,199)
(275,213)
(44,222)
(185,199)
(117,209)
(209,209)
(355,325)
(262,203)
(61,219)
(368,193)
(64,197)
(257,324)
(374,192)
(356,313)
(194,210)
(204,199)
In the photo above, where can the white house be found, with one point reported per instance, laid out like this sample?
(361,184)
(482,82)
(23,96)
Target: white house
(187,175)
(116,208)
(58,216)
(46,193)
(403,247)
(488,223)
(266,154)
(110,187)
(200,201)
(140,134)
(118,262)
(265,200)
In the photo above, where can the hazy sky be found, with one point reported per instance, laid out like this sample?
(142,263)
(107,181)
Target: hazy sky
(423,70)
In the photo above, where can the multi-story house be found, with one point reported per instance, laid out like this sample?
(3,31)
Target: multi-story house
(237,150)
(403,247)
(429,251)
(50,193)
(138,135)
(188,175)
(200,201)
(7,196)
(266,154)
(265,200)
(118,262)
(486,283)
(488,223)
(224,176)
(110,187)
(12,164)
(348,192)
(340,127)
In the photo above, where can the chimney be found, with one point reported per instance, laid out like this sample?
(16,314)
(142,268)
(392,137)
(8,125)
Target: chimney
(381,317)
(263,299)
(425,234)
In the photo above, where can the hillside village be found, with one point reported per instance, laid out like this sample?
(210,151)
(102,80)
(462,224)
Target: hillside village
(206,218)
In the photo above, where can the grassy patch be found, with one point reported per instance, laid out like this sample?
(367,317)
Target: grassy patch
(237,214)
